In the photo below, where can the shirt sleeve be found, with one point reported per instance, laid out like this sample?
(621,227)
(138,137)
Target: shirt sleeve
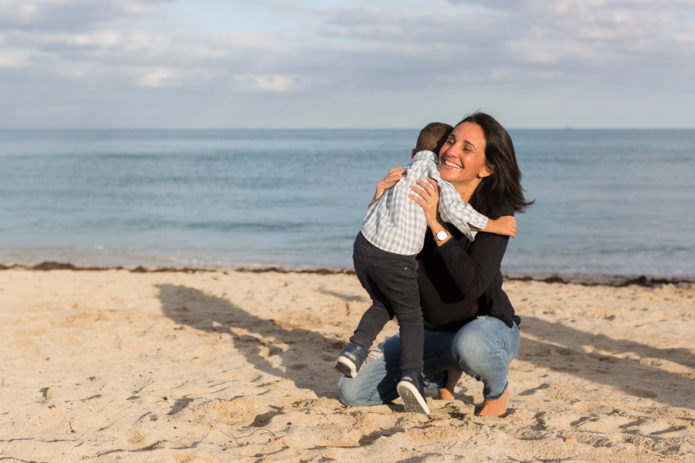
(422,164)
(457,212)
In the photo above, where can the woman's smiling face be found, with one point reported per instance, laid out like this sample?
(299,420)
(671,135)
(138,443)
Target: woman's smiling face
(462,157)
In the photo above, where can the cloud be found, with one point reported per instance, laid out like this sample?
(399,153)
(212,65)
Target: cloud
(158,78)
(609,27)
(372,45)
(275,83)
(318,49)
(70,15)
(364,44)
(12,60)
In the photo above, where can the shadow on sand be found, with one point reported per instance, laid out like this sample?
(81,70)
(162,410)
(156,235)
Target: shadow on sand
(308,362)
(564,351)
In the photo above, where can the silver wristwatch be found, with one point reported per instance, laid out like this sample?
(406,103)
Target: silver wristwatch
(441,235)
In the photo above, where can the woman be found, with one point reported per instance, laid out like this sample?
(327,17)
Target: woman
(470,324)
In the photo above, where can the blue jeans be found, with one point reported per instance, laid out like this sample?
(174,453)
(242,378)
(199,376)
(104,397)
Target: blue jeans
(482,348)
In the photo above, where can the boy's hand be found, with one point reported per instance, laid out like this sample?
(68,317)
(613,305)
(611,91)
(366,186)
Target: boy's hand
(505,225)
(388,182)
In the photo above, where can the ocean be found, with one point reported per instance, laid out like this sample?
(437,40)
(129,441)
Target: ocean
(608,202)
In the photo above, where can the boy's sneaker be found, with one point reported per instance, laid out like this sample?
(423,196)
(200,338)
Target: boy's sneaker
(412,390)
(351,359)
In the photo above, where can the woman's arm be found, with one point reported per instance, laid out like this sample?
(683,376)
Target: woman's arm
(472,266)
(428,197)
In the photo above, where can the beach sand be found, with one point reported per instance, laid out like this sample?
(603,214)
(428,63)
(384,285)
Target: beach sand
(222,366)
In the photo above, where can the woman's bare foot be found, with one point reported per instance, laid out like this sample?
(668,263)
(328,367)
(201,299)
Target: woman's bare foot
(497,407)
(452,378)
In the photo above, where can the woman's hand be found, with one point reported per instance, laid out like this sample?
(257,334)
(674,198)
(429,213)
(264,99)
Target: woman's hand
(388,182)
(428,197)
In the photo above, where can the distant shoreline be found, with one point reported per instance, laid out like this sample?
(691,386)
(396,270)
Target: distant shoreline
(586,280)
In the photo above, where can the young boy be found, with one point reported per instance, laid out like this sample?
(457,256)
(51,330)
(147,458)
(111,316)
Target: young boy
(384,255)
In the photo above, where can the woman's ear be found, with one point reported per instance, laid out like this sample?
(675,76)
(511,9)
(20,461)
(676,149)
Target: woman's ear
(486,171)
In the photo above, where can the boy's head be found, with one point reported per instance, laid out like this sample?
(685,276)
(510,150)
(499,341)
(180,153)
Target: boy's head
(432,137)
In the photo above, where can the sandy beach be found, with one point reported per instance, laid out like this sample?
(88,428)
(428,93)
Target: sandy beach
(228,365)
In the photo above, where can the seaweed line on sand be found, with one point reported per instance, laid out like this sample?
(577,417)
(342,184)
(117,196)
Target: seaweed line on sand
(585,280)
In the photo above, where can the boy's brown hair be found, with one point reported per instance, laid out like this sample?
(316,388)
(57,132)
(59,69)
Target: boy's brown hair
(432,137)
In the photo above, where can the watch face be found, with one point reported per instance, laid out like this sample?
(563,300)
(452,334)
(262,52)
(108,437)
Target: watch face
(441,235)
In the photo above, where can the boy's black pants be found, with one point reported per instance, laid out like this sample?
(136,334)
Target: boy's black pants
(391,281)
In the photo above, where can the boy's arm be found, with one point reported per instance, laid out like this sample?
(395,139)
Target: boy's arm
(505,226)
(387,182)
(416,168)
(457,212)
(456,209)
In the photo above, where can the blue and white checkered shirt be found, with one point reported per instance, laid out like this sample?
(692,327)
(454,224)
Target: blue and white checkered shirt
(397,224)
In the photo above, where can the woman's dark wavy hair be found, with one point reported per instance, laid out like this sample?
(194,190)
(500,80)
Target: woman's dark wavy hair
(504,185)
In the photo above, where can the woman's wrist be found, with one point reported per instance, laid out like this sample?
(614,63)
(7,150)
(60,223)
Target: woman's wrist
(440,233)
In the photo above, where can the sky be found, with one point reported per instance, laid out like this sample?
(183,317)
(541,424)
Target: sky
(346,64)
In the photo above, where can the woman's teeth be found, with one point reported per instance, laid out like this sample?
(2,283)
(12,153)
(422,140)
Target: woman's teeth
(452,165)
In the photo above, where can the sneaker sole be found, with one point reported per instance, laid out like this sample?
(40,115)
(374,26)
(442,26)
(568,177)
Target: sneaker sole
(412,399)
(346,367)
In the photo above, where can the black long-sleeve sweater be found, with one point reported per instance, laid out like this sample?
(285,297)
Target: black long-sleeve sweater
(461,280)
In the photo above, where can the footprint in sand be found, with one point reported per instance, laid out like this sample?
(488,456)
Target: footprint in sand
(534,390)
(540,425)
(583,420)
(179,405)
(639,392)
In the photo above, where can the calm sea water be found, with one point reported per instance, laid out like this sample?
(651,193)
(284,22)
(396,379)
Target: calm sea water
(614,202)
